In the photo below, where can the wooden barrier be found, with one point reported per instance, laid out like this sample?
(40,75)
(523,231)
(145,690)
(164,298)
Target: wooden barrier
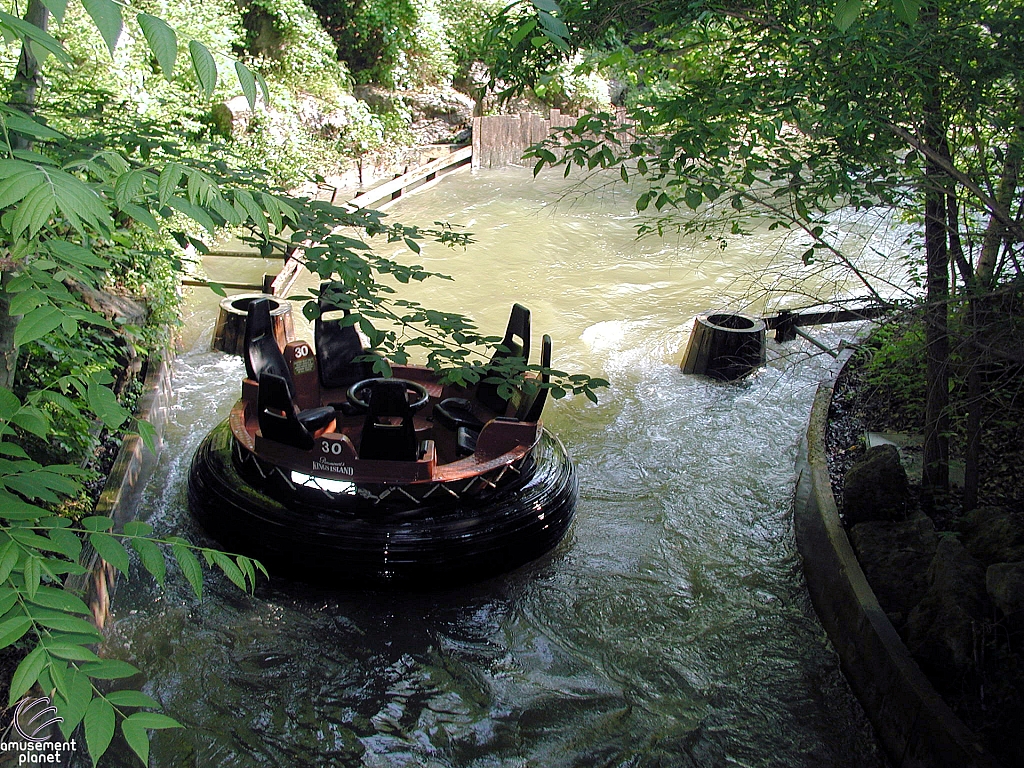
(500,140)
(416,179)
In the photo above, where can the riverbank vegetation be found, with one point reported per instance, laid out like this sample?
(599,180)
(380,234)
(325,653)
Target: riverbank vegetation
(789,112)
(117,161)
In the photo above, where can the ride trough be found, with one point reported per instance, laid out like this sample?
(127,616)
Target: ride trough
(327,472)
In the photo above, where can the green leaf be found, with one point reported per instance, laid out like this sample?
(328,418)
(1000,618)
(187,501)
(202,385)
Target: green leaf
(111,550)
(25,30)
(99,728)
(8,559)
(190,567)
(67,624)
(522,32)
(36,324)
(33,575)
(846,13)
(263,87)
(71,652)
(110,669)
(232,571)
(132,698)
(13,630)
(141,215)
(163,42)
(137,739)
(906,10)
(148,434)
(204,66)
(67,543)
(33,420)
(97,523)
(154,720)
(60,600)
(137,528)
(28,126)
(73,705)
(27,673)
(57,8)
(248,83)
(106,14)
(13,508)
(546,5)
(152,558)
(168,182)
(103,402)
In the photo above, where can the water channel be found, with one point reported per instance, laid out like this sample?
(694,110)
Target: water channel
(671,628)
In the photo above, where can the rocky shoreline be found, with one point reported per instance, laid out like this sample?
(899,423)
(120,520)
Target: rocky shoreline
(951,584)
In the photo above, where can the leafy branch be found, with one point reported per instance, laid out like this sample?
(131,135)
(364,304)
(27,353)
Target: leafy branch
(35,554)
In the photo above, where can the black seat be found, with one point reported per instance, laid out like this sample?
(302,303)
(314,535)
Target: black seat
(338,345)
(532,405)
(455,413)
(518,326)
(278,417)
(281,421)
(383,438)
(261,354)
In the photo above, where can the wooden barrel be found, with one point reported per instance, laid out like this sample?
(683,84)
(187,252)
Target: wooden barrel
(725,345)
(229,333)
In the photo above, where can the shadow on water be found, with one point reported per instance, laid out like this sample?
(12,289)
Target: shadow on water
(671,628)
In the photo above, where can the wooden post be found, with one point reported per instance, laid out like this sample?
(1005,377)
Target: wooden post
(725,345)
(229,333)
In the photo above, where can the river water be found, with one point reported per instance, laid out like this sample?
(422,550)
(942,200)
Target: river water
(671,628)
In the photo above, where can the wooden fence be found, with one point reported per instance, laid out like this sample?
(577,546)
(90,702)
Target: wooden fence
(501,140)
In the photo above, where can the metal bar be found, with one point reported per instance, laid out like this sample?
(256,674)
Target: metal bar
(815,342)
(232,286)
(824,318)
(244,255)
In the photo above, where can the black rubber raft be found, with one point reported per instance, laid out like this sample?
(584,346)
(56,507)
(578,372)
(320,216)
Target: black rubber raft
(364,541)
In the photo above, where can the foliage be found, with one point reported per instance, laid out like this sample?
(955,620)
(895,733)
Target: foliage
(894,364)
(791,111)
(391,42)
(287,37)
(92,202)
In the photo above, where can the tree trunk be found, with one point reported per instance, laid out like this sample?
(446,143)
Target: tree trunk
(27,79)
(936,428)
(981,313)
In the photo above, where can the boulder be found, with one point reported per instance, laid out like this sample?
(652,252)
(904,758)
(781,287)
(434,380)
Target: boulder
(876,487)
(993,535)
(941,629)
(231,118)
(1004,583)
(895,557)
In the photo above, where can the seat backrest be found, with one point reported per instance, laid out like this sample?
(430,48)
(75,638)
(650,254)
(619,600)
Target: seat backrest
(518,326)
(276,413)
(532,405)
(382,438)
(262,355)
(337,345)
(516,343)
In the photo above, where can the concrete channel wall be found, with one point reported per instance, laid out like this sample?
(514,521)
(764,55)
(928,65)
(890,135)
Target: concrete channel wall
(914,725)
(121,493)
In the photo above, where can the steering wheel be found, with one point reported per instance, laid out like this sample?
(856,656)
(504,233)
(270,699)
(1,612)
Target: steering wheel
(362,405)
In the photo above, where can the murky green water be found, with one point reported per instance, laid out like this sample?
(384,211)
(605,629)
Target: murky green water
(672,627)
